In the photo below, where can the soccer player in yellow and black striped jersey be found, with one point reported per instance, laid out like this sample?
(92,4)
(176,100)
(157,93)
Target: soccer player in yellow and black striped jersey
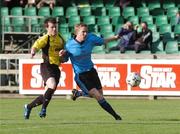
(52,46)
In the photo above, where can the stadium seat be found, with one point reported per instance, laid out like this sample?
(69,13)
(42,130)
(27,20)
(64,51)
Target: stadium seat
(101,20)
(6,22)
(93,28)
(134,20)
(66,36)
(115,52)
(96,3)
(111,44)
(168,4)
(17,11)
(157,47)
(171,47)
(115,11)
(30,11)
(165,28)
(109,3)
(108,34)
(4,11)
(128,11)
(157,11)
(107,28)
(148,19)
(153,4)
(177,30)
(142,11)
(44,11)
(129,52)
(173,20)
(62,19)
(156,36)
(58,11)
(145,52)
(82,3)
(73,20)
(117,20)
(152,27)
(63,28)
(18,24)
(161,19)
(98,50)
(89,20)
(172,11)
(167,37)
(117,28)
(99,11)
(85,11)
(71,11)
(37,28)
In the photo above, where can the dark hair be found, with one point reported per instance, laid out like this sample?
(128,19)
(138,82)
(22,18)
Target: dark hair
(51,20)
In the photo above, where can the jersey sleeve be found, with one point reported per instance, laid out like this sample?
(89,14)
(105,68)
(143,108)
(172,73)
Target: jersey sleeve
(41,42)
(97,40)
(66,56)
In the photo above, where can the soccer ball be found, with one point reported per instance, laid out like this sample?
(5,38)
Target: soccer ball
(133,79)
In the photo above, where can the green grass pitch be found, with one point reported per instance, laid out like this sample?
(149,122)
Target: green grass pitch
(85,116)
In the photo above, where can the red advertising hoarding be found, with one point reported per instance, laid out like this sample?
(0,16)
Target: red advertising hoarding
(159,77)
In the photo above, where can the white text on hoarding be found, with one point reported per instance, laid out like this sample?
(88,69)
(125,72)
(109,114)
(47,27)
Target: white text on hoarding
(109,77)
(156,77)
(36,80)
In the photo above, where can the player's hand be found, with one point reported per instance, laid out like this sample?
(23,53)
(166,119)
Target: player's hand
(33,52)
(62,52)
(117,36)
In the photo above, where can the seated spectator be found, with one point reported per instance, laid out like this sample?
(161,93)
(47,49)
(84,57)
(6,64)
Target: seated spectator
(178,17)
(144,39)
(127,36)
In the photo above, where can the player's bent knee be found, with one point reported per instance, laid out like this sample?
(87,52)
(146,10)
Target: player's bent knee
(51,83)
(96,94)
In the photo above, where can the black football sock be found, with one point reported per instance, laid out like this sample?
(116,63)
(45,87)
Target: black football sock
(38,101)
(47,97)
(107,107)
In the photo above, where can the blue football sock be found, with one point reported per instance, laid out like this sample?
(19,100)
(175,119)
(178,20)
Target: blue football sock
(107,107)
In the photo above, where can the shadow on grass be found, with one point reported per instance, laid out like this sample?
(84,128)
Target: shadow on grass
(141,122)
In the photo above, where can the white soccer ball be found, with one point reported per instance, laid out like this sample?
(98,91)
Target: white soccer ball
(133,79)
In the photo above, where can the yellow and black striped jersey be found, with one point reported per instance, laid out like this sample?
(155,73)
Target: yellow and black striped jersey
(50,45)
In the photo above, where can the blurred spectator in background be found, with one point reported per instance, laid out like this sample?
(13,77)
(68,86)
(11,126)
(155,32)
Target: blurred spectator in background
(178,17)
(31,3)
(122,3)
(144,39)
(127,36)
(14,3)
(50,3)
(23,3)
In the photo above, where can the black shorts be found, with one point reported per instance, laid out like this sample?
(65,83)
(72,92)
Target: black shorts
(50,70)
(90,79)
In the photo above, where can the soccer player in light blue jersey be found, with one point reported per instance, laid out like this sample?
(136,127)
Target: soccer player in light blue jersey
(79,50)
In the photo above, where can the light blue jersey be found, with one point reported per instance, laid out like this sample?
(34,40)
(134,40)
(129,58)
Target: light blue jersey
(80,53)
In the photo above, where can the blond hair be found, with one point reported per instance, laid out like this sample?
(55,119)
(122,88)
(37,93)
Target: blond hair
(78,26)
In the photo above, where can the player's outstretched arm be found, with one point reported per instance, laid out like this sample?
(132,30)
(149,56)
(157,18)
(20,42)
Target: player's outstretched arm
(111,38)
